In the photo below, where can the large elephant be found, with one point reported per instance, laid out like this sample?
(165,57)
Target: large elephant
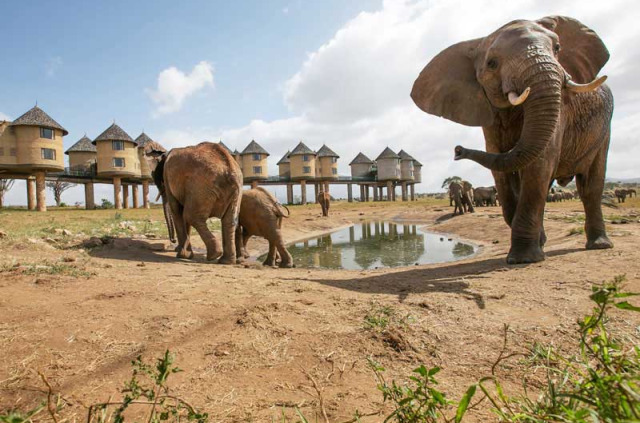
(485,196)
(325,201)
(532,87)
(621,195)
(197,183)
(467,196)
(261,215)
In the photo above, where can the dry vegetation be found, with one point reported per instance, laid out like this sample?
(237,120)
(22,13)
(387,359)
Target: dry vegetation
(256,342)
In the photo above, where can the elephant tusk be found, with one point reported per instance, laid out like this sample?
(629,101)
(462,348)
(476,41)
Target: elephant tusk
(516,99)
(157,197)
(585,88)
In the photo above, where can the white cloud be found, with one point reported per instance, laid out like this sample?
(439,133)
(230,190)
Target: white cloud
(52,65)
(174,87)
(4,117)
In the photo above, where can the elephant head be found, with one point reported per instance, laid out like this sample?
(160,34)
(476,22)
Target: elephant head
(156,158)
(524,64)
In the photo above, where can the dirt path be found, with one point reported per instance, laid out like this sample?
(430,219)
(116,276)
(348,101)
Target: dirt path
(245,335)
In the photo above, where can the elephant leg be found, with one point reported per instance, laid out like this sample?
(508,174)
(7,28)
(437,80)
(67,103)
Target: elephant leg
(245,240)
(590,187)
(285,256)
(240,251)
(181,229)
(229,222)
(527,225)
(213,246)
(271,256)
(508,186)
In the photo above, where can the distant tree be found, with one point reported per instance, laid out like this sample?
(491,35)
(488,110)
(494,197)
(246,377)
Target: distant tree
(5,186)
(106,204)
(58,187)
(447,181)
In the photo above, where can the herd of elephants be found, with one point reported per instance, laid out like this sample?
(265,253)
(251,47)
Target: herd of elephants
(532,86)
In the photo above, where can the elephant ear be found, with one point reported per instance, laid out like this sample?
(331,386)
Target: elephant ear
(448,87)
(582,52)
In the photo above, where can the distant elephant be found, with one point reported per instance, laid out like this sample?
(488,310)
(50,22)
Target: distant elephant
(200,182)
(467,196)
(325,201)
(485,196)
(456,196)
(261,215)
(621,195)
(532,87)
(631,192)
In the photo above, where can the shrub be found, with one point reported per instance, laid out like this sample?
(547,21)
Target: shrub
(106,204)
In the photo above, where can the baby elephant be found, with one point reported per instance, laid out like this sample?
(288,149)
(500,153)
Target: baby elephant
(261,215)
(325,201)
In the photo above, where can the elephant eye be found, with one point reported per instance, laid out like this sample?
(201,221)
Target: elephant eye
(556,47)
(492,64)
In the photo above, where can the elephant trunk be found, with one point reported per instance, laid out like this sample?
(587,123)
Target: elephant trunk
(541,116)
(168,217)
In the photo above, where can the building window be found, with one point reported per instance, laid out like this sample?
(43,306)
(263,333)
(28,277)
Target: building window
(305,158)
(48,153)
(334,171)
(306,169)
(47,133)
(13,152)
(117,145)
(257,170)
(334,160)
(256,157)
(118,162)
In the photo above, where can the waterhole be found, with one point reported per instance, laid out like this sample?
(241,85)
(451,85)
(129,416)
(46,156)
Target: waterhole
(376,245)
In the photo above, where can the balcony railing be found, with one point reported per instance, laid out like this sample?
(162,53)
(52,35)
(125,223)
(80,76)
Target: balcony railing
(79,172)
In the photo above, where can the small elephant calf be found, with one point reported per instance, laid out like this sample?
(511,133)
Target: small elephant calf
(261,214)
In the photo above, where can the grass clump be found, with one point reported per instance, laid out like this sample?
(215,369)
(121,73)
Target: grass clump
(578,230)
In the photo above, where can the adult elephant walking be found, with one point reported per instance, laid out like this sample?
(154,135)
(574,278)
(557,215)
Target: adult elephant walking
(532,87)
(485,196)
(200,182)
(456,195)
(325,201)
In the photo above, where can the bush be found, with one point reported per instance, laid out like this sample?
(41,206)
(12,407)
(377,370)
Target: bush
(106,204)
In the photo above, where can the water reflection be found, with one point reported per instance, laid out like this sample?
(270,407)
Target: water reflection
(377,244)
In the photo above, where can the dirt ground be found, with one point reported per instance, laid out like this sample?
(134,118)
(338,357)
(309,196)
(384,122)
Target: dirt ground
(249,337)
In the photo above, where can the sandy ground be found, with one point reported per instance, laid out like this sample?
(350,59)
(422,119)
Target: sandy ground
(247,337)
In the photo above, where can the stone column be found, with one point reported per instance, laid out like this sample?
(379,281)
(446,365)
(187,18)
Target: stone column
(290,193)
(389,191)
(393,191)
(125,196)
(381,192)
(405,196)
(145,194)
(31,193)
(350,193)
(366,193)
(326,187)
(117,202)
(254,184)
(412,188)
(41,194)
(134,191)
(303,191)
(375,193)
(89,202)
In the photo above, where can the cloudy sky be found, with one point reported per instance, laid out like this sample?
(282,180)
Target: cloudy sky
(328,71)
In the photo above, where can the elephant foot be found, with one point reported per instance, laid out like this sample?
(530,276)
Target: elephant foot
(600,243)
(525,255)
(269,263)
(287,265)
(543,238)
(184,254)
(213,256)
(227,260)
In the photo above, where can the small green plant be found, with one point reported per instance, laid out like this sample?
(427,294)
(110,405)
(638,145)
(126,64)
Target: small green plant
(420,401)
(117,216)
(148,387)
(379,317)
(599,383)
(578,230)
(17,416)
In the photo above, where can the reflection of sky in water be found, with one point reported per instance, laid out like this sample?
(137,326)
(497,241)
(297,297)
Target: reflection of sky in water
(377,244)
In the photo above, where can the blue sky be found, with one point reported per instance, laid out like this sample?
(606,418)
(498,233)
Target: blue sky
(331,71)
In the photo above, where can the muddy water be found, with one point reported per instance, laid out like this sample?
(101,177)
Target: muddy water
(376,245)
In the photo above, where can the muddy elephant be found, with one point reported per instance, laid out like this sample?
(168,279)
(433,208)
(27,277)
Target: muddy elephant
(621,195)
(485,196)
(261,215)
(631,192)
(325,201)
(467,196)
(456,197)
(533,88)
(197,183)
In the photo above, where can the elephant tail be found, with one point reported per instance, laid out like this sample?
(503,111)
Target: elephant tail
(280,211)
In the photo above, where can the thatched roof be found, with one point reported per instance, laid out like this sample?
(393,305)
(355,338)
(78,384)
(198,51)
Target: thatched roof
(225,147)
(114,133)
(253,148)
(145,142)
(37,117)
(361,159)
(326,152)
(301,149)
(405,156)
(285,158)
(388,153)
(83,145)
(416,163)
